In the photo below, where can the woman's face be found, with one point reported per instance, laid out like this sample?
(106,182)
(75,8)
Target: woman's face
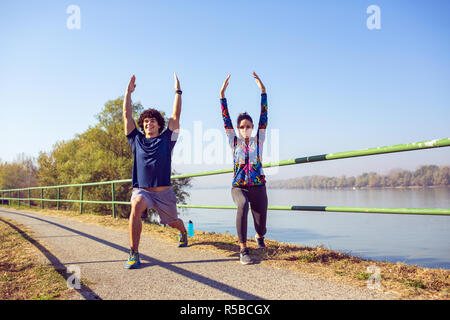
(245,128)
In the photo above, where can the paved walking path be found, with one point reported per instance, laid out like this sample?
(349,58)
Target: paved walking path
(167,272)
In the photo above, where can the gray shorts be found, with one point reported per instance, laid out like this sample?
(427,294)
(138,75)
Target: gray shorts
(163,202)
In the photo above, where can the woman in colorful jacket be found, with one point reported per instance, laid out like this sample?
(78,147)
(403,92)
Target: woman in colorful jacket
(249,184)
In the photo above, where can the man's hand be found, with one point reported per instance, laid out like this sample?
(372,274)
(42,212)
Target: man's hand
(174,120)
(259,83)
(131,85)
(177,82)
(224,87)
(128,120)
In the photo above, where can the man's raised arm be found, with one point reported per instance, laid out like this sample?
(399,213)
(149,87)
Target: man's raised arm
(174,121)
(128,120)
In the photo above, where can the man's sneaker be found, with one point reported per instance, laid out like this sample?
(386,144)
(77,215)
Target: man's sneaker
(245,256)
(260,243)
(182,240)
(133,261)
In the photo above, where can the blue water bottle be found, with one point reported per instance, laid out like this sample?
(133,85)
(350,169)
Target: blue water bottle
(190,229)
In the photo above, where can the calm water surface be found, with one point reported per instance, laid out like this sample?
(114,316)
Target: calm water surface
(420,240)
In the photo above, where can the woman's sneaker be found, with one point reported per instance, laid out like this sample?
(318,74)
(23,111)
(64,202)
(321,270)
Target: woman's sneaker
(260,243)
(134,260)
(245,256)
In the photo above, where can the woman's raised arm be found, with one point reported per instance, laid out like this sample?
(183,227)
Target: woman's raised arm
(262,125)
(228,124)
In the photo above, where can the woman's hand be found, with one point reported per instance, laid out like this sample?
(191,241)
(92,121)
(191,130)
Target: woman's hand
(224,87)
(259,83)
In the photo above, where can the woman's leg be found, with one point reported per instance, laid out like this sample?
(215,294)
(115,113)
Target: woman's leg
(239,196)
(257,197)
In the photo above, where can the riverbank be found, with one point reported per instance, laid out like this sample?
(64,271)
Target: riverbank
(405,281)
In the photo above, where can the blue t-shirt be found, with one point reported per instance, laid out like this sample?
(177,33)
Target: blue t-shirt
(152,158)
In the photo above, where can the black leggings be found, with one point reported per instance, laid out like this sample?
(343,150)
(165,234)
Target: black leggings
(257,197)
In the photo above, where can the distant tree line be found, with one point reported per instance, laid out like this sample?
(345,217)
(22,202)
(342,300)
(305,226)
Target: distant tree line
(101,153)
(20,173)
(424,176)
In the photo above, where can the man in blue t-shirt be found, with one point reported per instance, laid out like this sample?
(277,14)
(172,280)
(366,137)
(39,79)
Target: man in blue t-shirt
(152,156)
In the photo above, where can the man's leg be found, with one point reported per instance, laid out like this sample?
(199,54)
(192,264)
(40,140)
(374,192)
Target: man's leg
(165,203)
(138,205)
(179,224)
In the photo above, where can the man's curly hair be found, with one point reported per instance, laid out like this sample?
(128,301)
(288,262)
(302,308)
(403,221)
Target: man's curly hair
(152,113)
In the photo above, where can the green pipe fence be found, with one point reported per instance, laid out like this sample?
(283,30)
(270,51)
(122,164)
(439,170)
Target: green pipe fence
(436,143)
(81,199)
(113,197)
(58,198)
(410,211)
(416,211)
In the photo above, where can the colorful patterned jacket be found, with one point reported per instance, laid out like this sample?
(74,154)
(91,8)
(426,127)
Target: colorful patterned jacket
(247,159)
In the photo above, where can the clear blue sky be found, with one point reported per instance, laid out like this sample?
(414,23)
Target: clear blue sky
(333,85)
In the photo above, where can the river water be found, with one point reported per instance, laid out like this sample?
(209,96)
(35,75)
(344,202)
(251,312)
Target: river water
(419,240)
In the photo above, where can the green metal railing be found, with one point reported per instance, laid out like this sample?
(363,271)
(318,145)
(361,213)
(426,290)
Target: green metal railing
(436,143)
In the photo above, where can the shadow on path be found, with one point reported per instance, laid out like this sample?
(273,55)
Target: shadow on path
(167,265)
(85,291)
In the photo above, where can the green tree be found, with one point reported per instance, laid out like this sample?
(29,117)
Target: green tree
(374,180)
(423,176)
(362,180)
(442,177)
(20,173)
(351,181)
(341,182)
(101,153)
(406,179)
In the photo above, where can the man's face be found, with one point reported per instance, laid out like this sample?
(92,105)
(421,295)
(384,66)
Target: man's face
(151,127)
